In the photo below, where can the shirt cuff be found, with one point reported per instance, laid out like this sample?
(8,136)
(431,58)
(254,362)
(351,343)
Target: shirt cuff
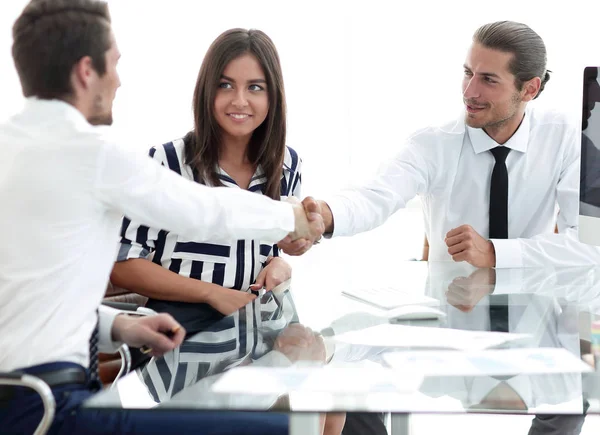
(508,281)
(508,253)
(106,318)
(282,220)
(338,214)
(129,251)
(287,219)
(272,359)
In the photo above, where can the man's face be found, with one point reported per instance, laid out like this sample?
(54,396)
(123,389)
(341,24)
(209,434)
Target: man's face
(105,88)
(489,93)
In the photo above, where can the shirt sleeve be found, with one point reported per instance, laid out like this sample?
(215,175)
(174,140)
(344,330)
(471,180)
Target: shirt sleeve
(564,248)
(363,208)
(106,318)
(140,188)
(137,240)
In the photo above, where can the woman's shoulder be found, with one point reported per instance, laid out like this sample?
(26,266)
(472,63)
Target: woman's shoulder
(291,160)
(171,154)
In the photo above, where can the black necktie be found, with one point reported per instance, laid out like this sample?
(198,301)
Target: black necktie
(499,313)
(93,369)
(499,195)
(499,230)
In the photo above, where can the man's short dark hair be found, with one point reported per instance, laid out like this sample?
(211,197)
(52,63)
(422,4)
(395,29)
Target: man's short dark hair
(51,36)
(527,47)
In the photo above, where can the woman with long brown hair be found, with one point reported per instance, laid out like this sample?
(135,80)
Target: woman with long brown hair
(212,288)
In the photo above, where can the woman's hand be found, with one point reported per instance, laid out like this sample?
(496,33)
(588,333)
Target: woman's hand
(274,273)
(227,301)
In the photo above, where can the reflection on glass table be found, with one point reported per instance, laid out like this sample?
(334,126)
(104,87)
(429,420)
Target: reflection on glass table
(293,368)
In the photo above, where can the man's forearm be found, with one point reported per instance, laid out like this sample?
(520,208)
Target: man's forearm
(327,216)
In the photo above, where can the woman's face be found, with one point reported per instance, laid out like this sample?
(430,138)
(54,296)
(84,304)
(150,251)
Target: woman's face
(242,99)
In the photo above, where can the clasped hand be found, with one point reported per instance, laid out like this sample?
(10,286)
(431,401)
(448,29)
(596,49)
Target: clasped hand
(465,244)
(309,227)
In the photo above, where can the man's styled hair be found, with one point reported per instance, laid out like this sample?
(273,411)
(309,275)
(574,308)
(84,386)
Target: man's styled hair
(51,36)
(527,47)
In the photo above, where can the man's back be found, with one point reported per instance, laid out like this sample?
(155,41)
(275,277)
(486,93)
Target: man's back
(59,237)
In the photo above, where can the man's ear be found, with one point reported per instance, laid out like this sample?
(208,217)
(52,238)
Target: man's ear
(531,89)
(83,73)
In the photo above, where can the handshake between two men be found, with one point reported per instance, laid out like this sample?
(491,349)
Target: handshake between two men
(312,218)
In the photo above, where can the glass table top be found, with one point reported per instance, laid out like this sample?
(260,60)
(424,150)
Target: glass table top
(503,341)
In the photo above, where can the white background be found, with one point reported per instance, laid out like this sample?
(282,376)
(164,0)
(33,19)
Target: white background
(359,76)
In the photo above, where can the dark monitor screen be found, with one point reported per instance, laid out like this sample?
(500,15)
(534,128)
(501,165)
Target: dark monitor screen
(590,145)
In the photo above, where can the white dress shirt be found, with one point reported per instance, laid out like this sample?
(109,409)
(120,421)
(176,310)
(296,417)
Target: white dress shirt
(64,187)
(450,169)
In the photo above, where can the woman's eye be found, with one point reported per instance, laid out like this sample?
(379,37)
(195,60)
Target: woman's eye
(256,88)
(225,85)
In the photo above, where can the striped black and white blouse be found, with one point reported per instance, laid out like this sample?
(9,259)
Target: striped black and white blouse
(214,341)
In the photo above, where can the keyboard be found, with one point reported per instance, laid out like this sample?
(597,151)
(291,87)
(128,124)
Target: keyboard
(388,297)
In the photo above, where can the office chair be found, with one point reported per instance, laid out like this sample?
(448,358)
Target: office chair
(128,362)
(17,379)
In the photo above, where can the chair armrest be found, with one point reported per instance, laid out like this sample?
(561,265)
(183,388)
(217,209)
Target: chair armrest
(18,379)
(130,308)
(123,306)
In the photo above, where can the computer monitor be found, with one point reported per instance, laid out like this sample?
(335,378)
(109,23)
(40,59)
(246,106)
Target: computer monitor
(589,194)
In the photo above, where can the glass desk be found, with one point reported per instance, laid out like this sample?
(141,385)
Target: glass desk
(512,342)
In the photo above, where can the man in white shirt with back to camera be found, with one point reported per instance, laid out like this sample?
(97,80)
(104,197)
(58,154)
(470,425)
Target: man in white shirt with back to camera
(64,186)
(490,182)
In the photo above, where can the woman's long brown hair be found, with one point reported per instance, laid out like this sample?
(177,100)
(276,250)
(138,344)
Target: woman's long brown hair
(267,144)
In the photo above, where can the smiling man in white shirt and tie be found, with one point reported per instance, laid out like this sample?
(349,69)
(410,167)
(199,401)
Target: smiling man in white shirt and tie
(490,182)
(65,184)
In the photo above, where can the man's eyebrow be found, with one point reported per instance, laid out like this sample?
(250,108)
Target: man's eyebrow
(487,74)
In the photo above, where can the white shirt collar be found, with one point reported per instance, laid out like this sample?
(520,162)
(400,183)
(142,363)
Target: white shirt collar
(518,142)
(37,108)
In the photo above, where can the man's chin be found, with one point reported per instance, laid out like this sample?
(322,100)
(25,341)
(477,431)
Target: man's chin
(472,122)
(106,119)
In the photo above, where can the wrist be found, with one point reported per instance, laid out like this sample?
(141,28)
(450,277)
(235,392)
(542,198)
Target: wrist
(327,215)
(209,293)
(299,221)
(121,322)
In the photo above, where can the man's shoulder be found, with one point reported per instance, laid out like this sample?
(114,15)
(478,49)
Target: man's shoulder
(548,116)
(438,134)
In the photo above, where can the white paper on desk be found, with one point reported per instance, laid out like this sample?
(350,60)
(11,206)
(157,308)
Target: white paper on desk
(491,362)
(134,393)
(388,335)
(327,379)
